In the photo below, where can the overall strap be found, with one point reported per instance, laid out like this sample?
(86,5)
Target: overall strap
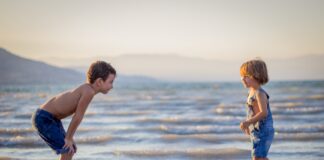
(262,90)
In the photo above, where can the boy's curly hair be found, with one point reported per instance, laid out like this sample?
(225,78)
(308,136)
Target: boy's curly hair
(99,69)
(257,69)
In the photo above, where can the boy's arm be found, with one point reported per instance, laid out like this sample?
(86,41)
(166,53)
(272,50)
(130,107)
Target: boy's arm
(262,104)
(84,101)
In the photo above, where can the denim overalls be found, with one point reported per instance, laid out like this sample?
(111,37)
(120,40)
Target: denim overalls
(262,132)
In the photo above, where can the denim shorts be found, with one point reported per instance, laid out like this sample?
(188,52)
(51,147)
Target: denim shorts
(261,142)
(51,130)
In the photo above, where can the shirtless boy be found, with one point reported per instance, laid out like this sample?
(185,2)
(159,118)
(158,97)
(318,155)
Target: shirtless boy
(47,118)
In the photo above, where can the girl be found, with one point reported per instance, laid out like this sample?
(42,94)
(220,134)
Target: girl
(259,123)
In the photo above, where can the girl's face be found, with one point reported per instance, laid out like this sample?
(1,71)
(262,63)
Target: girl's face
(247,81)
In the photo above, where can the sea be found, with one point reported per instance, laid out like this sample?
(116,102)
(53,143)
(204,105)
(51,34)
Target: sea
(169,121)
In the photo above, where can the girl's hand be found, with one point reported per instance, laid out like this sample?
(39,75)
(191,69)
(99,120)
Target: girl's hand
(69,143)
(247,131)
(244,125)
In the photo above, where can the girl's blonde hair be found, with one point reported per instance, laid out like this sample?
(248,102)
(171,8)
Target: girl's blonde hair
(256,69)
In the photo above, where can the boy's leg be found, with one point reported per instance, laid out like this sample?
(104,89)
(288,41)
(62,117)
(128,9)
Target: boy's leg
(66,156)
(50,130)
(260,158)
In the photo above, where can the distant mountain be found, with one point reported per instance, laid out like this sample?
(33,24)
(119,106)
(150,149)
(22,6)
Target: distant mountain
(134,79)
(310,67)
(169,67)
(18,70)
(179,68)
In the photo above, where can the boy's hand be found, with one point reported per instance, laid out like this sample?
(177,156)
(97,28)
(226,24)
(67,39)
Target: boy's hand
(75,147)
(69,143)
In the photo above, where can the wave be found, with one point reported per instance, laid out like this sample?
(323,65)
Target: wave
(299,136)
(14,131)
(298,111)
(99,139)
(317,97)
(199,129)
(7,158)
(230,138)
(117,113)
(20,141)
(224,120)
(212,129)
(166,130)
(286,104)
(36,142)
(306,118)
(300,128)
(5,113)
(201,153)
(205,138)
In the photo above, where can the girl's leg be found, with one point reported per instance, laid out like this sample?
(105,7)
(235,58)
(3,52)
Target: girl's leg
(66,156)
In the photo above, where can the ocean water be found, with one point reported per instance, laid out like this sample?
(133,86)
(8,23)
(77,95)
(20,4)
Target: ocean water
(158,121)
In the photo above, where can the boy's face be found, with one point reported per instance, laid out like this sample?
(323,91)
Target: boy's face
(108,84)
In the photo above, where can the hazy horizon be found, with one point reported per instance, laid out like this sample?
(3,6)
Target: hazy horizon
(216,30)
(180,68)
(196,40)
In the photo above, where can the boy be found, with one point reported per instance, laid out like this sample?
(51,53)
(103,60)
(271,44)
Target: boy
(47,119)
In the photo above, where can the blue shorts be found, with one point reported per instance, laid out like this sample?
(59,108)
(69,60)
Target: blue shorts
(51,130)
(261,142)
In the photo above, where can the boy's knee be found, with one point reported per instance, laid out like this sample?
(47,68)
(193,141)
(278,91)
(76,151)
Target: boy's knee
(66,156)
(254,158)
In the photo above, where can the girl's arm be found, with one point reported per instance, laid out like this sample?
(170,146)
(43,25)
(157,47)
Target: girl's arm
(262,104)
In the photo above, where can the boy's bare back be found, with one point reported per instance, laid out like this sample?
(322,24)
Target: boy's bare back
(66,103)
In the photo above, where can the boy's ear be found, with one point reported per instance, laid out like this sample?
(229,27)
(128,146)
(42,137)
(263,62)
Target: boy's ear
(98,81)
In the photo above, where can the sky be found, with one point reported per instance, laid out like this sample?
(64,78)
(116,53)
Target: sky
(207,29)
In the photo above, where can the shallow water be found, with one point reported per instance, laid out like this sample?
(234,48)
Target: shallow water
(169,121)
